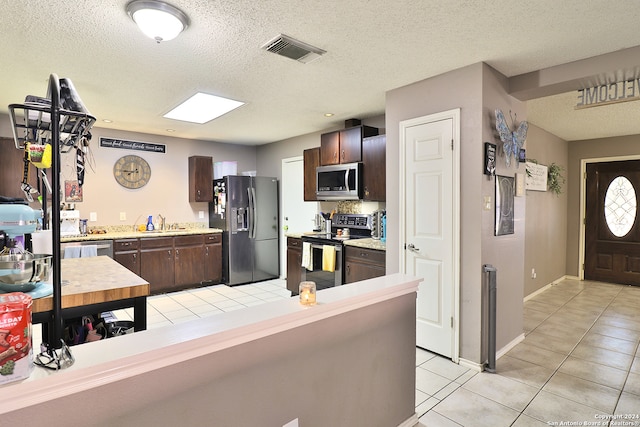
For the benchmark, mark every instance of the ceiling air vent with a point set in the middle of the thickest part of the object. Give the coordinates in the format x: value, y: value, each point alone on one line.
x: 294, y: 49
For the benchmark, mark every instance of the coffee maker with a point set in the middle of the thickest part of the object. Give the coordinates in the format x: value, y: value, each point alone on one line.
x: 69, y: 223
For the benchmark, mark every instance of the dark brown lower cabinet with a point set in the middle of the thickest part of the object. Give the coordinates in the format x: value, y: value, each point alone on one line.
x: 362, y: 263
x: 213, y: 258
x: 172, y: 263
x: 157, y: 263
x: 125, y: 251
x: 294, y: 264
x: 189, y: 259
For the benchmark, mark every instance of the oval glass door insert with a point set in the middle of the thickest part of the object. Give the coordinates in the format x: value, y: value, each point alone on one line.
x: 620, y: 206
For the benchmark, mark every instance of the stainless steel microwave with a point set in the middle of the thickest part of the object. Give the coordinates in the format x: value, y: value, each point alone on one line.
x: 339, y: 182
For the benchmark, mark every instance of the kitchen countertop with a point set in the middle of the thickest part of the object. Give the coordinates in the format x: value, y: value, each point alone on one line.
x: 140, y: 234
x: 368, y: 243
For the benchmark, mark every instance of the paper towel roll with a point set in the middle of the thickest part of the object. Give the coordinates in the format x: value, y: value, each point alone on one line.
x: 42, y: 242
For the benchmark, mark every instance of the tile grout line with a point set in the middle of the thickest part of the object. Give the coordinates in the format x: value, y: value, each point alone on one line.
x: 568, y: 355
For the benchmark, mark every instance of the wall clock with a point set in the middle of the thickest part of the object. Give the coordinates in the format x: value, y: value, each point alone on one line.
x: 132, y: 171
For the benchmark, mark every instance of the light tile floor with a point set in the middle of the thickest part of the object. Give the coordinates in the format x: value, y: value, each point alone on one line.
x: 176, y: 307
x: 579, y: 364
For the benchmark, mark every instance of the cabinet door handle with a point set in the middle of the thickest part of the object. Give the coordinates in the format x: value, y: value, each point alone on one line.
x: 169, y: 253
x: 342, y: 154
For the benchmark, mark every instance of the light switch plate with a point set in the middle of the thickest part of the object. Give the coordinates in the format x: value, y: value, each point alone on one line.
x: 123, y: 216
x: 201, y: 214
x: 486, y: 203
x: 93, y: 216
x: 519, y: 184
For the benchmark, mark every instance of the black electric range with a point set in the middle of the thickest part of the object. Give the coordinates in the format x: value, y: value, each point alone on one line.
x: 358, y: 226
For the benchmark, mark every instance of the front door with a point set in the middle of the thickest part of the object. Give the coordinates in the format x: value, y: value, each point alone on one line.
x: 612, y: 229
x: 430, y: 224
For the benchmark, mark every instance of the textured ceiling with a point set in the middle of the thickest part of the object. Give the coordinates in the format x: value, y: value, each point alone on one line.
x: 373, y: 46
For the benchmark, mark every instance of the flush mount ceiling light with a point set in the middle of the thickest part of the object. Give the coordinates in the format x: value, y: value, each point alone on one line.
x: 202, y: 107
x: 157, y: 19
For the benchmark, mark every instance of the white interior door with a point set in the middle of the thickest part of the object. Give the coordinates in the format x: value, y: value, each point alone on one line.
x: 297, y: 215
x: 430, y: 226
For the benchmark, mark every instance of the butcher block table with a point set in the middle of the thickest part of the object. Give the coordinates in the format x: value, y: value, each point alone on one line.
x: 94, y: 285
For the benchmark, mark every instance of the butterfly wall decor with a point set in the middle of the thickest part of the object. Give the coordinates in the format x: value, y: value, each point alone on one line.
x: 513, y: 141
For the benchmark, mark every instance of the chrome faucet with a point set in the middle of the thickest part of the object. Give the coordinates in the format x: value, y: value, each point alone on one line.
x: 161, y: 221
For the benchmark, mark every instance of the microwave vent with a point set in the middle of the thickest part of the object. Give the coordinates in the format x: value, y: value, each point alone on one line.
x: 294, y: 49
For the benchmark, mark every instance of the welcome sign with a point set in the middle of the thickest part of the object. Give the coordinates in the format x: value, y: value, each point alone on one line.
x: 624, y: 91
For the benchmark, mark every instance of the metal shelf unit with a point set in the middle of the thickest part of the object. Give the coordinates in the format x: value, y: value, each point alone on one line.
x: 45, y: 121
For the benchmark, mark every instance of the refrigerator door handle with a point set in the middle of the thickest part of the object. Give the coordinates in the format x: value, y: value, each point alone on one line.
x: 252, y: 212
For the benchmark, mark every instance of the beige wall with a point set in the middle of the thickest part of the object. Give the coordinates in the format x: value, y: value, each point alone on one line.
x: 506, y: 252
x: 477, y: 90
x: 589, y: 149
x: 546, y: 227
x: 167, y: 191
x: 323, y: 373
x: 462, y: 89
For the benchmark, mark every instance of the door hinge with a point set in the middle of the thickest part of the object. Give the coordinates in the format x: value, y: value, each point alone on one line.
x: 452, y: 322
x: 452, y: 144
x: 584, y: 221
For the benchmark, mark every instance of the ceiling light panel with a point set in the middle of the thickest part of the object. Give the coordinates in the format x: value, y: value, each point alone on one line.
x: 202, y: 108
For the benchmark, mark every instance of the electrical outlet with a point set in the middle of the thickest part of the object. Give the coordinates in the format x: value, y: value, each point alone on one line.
x: 93, y: 216
x: 201, y: 214
x: 533, y: 273
x: 123, y: 216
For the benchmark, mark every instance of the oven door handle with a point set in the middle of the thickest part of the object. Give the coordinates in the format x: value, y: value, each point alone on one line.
x: 315, y: 246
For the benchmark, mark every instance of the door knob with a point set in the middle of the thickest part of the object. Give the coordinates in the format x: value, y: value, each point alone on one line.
x: 411, y: 247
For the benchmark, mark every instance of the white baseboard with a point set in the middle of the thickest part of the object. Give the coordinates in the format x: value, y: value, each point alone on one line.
x: 509, y: 346
x: 478, y: 367
x: 411, y: 421
x: 544, y: 288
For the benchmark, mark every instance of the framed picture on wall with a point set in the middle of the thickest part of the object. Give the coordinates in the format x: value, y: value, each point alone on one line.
x: 489, y: 159
x: 505, y: 189
x: 72, y: 192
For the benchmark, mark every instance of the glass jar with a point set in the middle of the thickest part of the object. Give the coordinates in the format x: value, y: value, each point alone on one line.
x: 307, y: 292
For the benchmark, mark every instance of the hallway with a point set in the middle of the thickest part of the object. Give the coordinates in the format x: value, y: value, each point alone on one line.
x: 579, y: 363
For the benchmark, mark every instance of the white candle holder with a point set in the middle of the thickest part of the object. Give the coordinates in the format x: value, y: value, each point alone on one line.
x: 307, y: 292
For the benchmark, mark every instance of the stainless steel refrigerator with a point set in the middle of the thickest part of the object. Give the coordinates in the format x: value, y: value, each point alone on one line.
x: 246, y: 209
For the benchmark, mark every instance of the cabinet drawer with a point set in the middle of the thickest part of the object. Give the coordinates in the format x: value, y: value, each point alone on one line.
x: 212, y: 238
x: 192, y: 240
x: 293, y: 242
x: 365, y: 255
x: 156, y: 242
x: 125, y: 245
